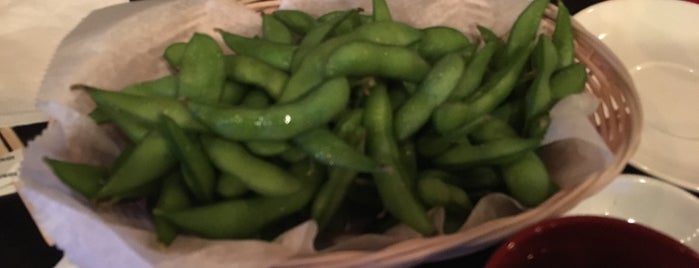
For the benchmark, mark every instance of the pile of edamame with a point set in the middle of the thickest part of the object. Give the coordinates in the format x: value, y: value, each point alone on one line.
x: 341, y: 117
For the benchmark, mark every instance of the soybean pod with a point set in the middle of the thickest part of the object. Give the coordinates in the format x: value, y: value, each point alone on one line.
x: 278, y: 122
x: 256, y: 173
x: 396, y: 195
x: 439, y: 82
x: 202, y: 71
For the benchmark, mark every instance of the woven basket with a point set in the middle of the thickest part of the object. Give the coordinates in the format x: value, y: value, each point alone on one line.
x: 618, y: 121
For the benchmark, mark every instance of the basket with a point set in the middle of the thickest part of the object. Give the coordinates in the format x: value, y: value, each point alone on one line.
x: 617, y: 120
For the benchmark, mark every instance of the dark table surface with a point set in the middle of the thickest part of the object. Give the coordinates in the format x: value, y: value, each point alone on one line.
x: 21, y: 244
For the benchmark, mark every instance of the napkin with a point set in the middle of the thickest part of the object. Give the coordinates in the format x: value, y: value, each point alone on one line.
x: 31, y: 30
x: 123, y: 44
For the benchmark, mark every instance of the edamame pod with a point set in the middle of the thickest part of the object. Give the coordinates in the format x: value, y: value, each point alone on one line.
x: 563, y: 37
x: 439, y: 82
x: 147, y: 109
x: 538, y: 98
x: 493, y: 152
x: 173, y: 196
x: 395, y: 192
x: 474, y: 72
x: 173, y: 54
x: 275, y: 31
x: 361, y: 58
x: 567, y: 81
x: 380, y: 10
x: 241, y: 218
x: 202, y: 73
x: 524, y: 29
x: 199, y: 174
x: 452, y: 115
x: 527, y: 179
x: 134, y: 129
x: 311, y: 72
x: 257, y: 174
x: 316, y: 35
x: 249, y: 70
x: 165, y: 86
x: 326, y: 147
x: 439, y: 41
x: 85, y: 179
x: 297, y: 21
x: 275, y: 54
x: 150, y: 159
x: 278, y: 122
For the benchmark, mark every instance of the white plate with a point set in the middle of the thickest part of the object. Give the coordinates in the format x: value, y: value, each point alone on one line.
x: 658, y: 42
x: 650, y: 202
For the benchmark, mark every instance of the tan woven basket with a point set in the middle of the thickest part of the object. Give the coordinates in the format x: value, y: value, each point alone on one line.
x: 618, y: 121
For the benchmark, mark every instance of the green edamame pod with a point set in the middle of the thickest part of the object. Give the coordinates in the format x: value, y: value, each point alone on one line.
x: 173, y: 54
x: 249, y: 70
x: 311, y: 71
x: 275, y: 31
x: 380, y: 10
x: 230, y: 186
x: 327, y: 148
x: 241, y: 218
x: 318, y: 34
x: 165, y: 86
x: 524, y: 29
x: 150, y: 159
x: 147, y: 109
x: 257, y: 174
x: 439, y: 41
x: 474, y: 72
x: 275, y: 54
x: 173, y: 196
x: 492, y: 129
x: 297, y: 21
x: 85, y: 179
x: 396, y: 194
x: 527, y: 179
x: 267, y: 148
x: 567, y: 81
x: 563, y: 37
x: 436, y: 192
x: 398, y: 97
x: 538, y: 99
x: 408, y: 153
x: 439, y: 82
x: 199, y: 174
x: 332, y: 193
x: 450, y: 116
x: 130, y: 126
x: 346, y: 25
x: 203, y: 71
x: 278, y: 122
x: 361, y: 58
x: 492, y: 152
x: 233, y: 93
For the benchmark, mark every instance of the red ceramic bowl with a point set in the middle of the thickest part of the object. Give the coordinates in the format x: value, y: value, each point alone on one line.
x: 591, y: 241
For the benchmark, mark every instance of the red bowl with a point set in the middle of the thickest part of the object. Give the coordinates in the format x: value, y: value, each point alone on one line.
x: 591, y: 241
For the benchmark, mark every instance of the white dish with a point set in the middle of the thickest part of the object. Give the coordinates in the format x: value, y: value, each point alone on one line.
x: 650, y: 202
x: 658, y: 43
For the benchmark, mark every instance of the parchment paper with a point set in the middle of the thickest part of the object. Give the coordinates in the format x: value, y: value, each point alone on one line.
x: 123, y: 44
